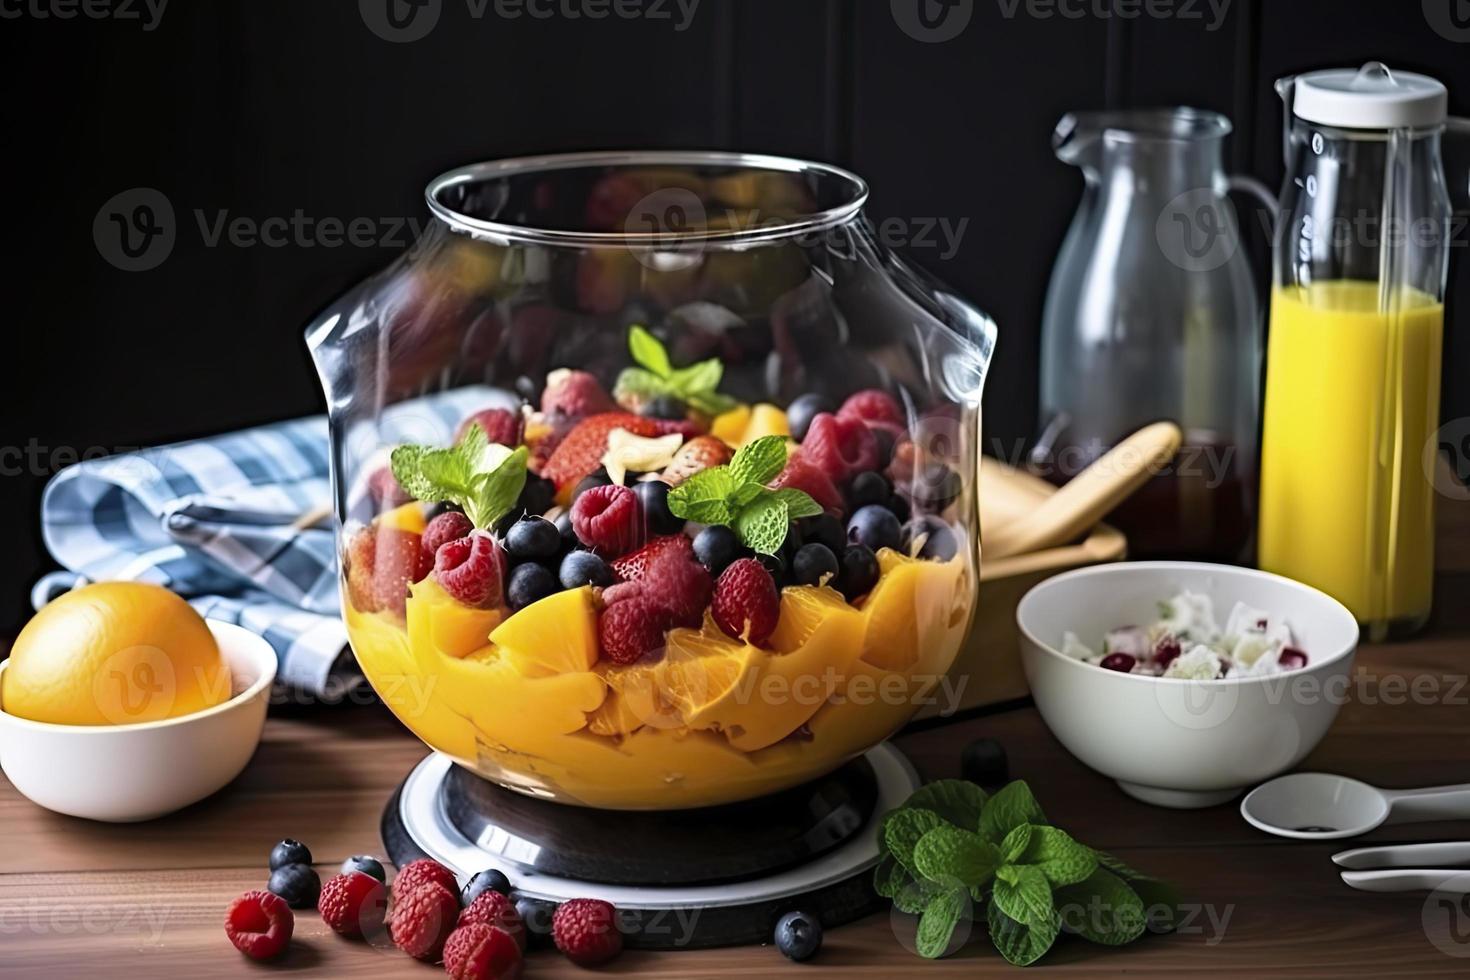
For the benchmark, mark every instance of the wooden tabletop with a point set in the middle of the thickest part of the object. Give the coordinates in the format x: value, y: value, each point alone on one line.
x: 80, y: 899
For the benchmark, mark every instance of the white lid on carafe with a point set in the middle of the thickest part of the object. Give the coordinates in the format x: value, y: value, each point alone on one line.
x: 1371, y: 97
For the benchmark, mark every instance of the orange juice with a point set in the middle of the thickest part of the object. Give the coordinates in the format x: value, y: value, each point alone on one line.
x: 1352, y: 397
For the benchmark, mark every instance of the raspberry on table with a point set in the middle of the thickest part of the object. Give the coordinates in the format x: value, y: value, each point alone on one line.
x: 423, y: 918
x: 448, y: 526
x: 873, y: 405
x: 353, y: 904
x: 746, y: 603
x: 631, y: 628
x: 586, y: 930
x: 609, y: 520
x: 501, y: 426
x: 416, y: 873
x: 493, y: 908
x: 259, y: 924
x: 840, y: 446
x: 469, y: 569
x: 476, y: 951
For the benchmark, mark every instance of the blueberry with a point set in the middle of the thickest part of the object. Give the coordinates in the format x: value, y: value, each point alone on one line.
x: 859, y: 571
x: 666, y: 407
x: 887, y: 442
x: 530, y: 583
x: 940, y: 542
x: 289, y: 851
x: 984, y: 762
x: 716, y: 547
x: 537, y: 496
x: 564, y: 527
x: 825, y: 529
x: 489, y: 880
x: 779, y: 568
x: 532, y: 539
x: 935, y: 487
x: 799, y: 413
x: 367, y: 864
x: 653, y: 495
x: 868, y: 488
x: 813, y: 562
x: 581, y: 568
x: 588, y: 482
x: 899, y: 504
x: 443, y: 507
x: 536, y: 914
x: 298, y: 884
x: 798, y: 936
x: 875, y: 527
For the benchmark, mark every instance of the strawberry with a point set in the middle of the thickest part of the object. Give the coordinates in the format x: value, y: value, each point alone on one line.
x: 631, y: 568
x: 746, y: 604
x: 501, y: 426
x: 575, y: 394
x: 381, y: 564
x: 384, y: 489
x: 840, y: 446
x: 802, y: 475
x: 873, y: 406
x: 699, y: 453
x: 582, y: 450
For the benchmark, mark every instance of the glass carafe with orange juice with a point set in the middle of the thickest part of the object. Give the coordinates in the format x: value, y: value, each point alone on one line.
x: 1355, y: 343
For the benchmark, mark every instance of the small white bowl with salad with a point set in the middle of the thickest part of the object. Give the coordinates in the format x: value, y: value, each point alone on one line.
x: 1185, y: 682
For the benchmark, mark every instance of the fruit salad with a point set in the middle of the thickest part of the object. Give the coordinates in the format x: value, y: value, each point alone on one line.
x: 654, y: 596
x: 1186, y: 642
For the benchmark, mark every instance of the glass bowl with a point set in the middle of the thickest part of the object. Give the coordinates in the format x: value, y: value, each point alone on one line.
x: 752, y: 428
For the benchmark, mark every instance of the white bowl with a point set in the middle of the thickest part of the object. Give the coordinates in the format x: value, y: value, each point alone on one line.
x: 124, y: 773
x: 1175, y: 742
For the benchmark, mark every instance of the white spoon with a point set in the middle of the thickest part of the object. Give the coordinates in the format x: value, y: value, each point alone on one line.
x: 1407, y: 867
x: 1323, y: 806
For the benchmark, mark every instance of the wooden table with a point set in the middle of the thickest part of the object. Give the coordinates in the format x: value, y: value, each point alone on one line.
x: 79, y: 899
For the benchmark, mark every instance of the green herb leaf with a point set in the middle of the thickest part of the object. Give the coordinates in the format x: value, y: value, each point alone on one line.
x: 640, y: 384
x: 956, y: 800
x: 903, y: 829
x: 656, y: 375
x: 1102, y: 909
x: 1161, y: 904
x: 705, y: 497
x: 483, y: 478
x: 798, y: 503
x: 495, y: 493
x: 1021, y: 943
x: 951, y: 856
x: 915, y: 895
x: 937, y: 924
x: 1008, y: 809
x: 760, y: 460
x: 764, y: 524
x: 1119, y: 868
x: 648, y: 352
x: 1015, y: 843
x: 702, y: 377
x: 405, y: 462
x: 1060, y: 858
x: 1023, y: 893
x: 889, y: 877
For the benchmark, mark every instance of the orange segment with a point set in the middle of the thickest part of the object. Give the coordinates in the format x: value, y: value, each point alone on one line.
x: 730, y: 426
x: 557, y: 635
x: 435, y: 618
x: 803, y: 609
x: 914, y: 605
x: 766, y: 420
x: 409, y: 517
x: 701, y: 673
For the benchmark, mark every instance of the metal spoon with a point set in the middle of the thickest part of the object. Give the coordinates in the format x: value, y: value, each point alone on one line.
x: 1323, y: 806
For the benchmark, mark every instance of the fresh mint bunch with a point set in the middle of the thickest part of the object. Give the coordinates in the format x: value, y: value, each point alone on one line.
x: 951, y: 849
x: 736, y: 495
x: 480, y: 476
x: 655, y: 376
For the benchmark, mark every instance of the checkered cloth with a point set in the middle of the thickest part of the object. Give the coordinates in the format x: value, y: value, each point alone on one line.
x: 219, y: 521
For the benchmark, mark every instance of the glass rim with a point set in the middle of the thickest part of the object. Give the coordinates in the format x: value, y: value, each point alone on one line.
x: 856, y: 198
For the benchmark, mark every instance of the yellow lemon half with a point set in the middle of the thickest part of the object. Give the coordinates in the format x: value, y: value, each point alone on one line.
x: 114, y: 653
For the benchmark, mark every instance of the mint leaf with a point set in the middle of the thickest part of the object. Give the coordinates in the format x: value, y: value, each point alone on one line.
x: 937, y: 924
x: 915, y: 895
x: 955, y: 800
x: 1102, y: 909
x: 656, y: 375
x: 889, y: 877
x: 1012, y: 806
x: 746, y: 494
x: 496, y: 492
x: 1015, y: 844
x: 640, y: 384
x: 951, y: 856
x: 1021, y: 943
x: 1119, y: 868
x: 759, y: 461
x: 473, y: 448
x: 404, y: 463
x: 763, y: 525
x: 902, y: 830
x: 705, y: 497
x: 1023, y: 893
x: 1060, y: 858
x: 648, y: 352
x: 798, y: 503
x: 704, y: 376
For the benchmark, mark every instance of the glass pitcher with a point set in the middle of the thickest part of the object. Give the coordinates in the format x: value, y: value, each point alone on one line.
x: 1356, y: 340
x: 1152, y: 314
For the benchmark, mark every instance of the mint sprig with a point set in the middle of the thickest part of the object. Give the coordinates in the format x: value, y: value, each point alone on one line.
x: 736, y: 495
x: 656, y: 376
x: 483, y: 478
x: 952, y: 853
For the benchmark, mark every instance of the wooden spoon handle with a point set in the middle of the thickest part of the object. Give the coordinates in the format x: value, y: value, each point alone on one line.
x: 1090, y: 495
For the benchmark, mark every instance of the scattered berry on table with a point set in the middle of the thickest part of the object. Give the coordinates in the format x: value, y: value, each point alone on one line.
x: 798, y: 936
x: 631, y: 628
x: 415, y: 873
x: 532, y: 539
x: 840, y: 447
x: 653, y: 496
x: 824, y: 529
x: 536, y: 916
x: 801, y: 411
x: 259, y: 924
x: 984, y: 763
x: 575, y: 394
x: 289, y: 851
x: 353, y: 904
x: 530, y: 582
x: 873, y: 405
x: 367, y: 864
x: 859, y: 572
x: 609, y: 520
x: 298, y: 884
x: 501, y: 426
x: 666, y: 407
x: 581, y: 568
x: 422, y: 919
x: 480, y: 952
x: 746, y: 603
x: 716, y: 547
x: 489, y: 880
x: 875, y: 527
x: 814, y: 564
x: 470, y: 569
x: 586, y: 930
x: 495, y: 908
x: 804, y: 475
x: 867, y: 488
x: 930, y: 537
x: 448, y: 526
x: 1122, y: 662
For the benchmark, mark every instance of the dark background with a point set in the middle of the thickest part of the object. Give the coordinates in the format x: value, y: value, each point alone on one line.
x: 259, y: 108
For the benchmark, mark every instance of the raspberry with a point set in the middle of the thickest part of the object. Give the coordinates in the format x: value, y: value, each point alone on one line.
x: 259, y: 924
x: 586, y: 930
x: 746, y: 603
x: 699, y: 453
x: 631, y: 568
x: 422, y: 920
x: 492, y: 908
x: 353, y: 904
x: 581, y: 451
x: 608, y: 519
x: 666, y: 572
x: 575, y: 394
x: 381, y: 564
x: 448, y: 526
x: 422, y: 871
x: 476, y: 951
x: 501, y: 426
x: 384, y: 489
x: 631, y: 628
x: 469, y: 569
x: 840, y: 446
x: 801, y: 474
x: 872, y: 405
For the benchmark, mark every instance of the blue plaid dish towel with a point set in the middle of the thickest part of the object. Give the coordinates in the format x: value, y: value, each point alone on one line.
x: 227, y: 522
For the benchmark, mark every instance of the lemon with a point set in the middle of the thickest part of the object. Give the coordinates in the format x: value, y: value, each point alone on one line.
x: 114, y: 653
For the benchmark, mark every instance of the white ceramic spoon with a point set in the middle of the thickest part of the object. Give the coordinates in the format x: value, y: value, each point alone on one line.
x: 1323, y: 806
x: 1407, y: 867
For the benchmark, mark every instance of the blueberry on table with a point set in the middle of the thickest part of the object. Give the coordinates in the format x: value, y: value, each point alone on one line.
x: 812, y: 563
x: 716, y: 547
x: 653, y: 496
x: 859, y: 572
x: 532, y: 539
x: 798, y: 936
x: 984, y: 763
x: 289, y: 851
x: 875, y: 527
x: 367, y: 864
x: 868, y: 488
x: 824, y: 529
x: 489, y: 880
x: 537, y: 916
x: 581, y: 568
x: 530, y: 582
x: 298, y: 884
x: 799, y: 413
